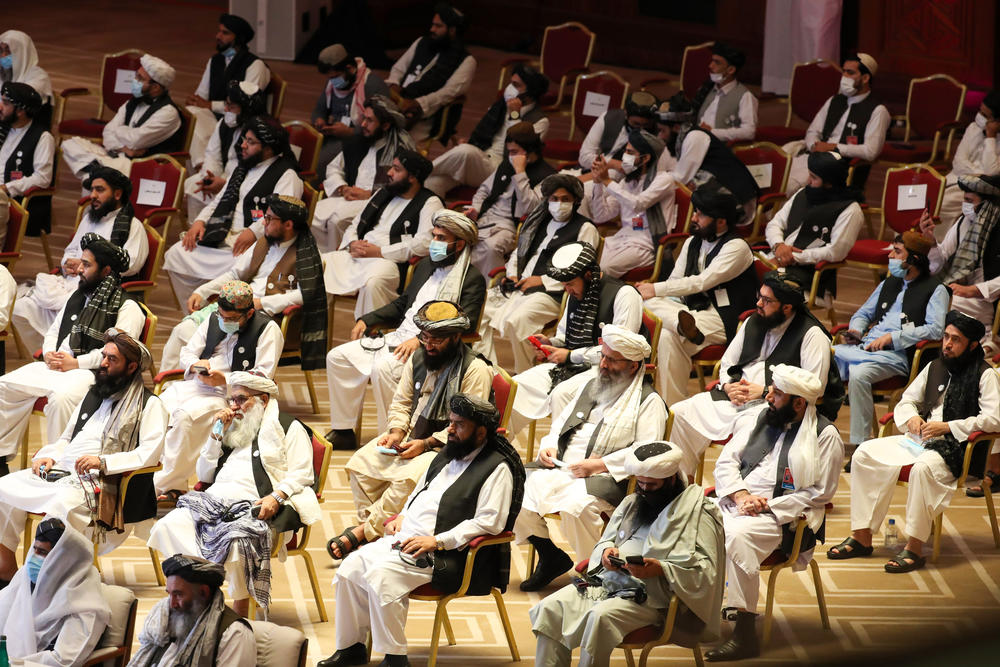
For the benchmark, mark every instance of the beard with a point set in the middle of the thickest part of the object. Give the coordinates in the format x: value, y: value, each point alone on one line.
x: 970, y: 356
x: 89, y: 285
x: 251, y: 161
x: 611, y: 385
x: 181, y: 622
x: 772, y: 320
x: 98, y: 212
x: 241, y: 432
x: 376, y: 134
x: 397, y: 187
x: 109, y: 385
x: 273, y: 240
x: 438, y: 44
x: 443, y: 357
x: 447, y: 261
x: 780, y: 417
x: 458, y: 449
x: 9, y: 118
x: 651, y: 503
x: 709, y: 233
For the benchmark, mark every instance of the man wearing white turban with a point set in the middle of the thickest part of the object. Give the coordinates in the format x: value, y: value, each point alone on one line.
x: 582, y: 475
x: 148, y: 123
x: 782, y: 462
x: 19, y: 63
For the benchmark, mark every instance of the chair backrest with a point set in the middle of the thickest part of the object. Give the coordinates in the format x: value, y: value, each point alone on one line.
x: 275, y: 94
x: 307, y: 138
x: 907, y: 192
x: 694, y: 67
x: 279, y: 645
x: 187, y: 125
x: 593, y: 94
x: 812, y: 84
x: 654, y: 326
x: 16, y: 225
x: 761, y: 269
x: 155, y: 258
x: 682, y: 197
x: 932, y: 101
x: 566, y: 47
x: 121, y: 625
x: 768, y: 164
x: 504, y: 390
x: 117, y: 72
x: 157, y: 182
x: 310, y: 197
x: 148, y: 327
x: 322, y: 450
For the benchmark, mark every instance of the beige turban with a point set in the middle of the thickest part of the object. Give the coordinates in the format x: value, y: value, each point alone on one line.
x: 255, y: 381
x: 457, y: 224
x: 630, y: 345
x: 158, y: 70
x: 868, y: 62
x: 797, y: 382
x: 658, y: 459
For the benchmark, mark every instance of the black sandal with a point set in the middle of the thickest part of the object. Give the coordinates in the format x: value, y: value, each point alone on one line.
x: 977, y: 492
x: 898, y: 565
x: 353, y: 543
x: 857, y: 550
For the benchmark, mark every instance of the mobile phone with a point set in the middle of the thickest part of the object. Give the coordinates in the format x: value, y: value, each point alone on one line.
x: 255, y: 511
x: 538, y: 345
x: 616, y: 561
x: 634, y: 560
x: 203, y: 371
x: 386, y: 450
x: 850, y: 338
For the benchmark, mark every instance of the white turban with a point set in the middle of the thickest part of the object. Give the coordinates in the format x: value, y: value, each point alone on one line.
x: 458, y: 224
x: 630, y: 345
x: 158, y: 70
x: 868, y: 62
x: 797, y: 382
x: 657, y: 459
x: 254, y: 381
x: 249, y: 89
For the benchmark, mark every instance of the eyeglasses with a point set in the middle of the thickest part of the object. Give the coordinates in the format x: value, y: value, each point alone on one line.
x: 766, y: 299
x: 268, y: 218
x: 432, y: 340
x: 239, y: 400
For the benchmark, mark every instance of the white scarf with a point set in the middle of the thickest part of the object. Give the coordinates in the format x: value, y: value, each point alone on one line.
x: 621, y: 419
x: 273, y: 456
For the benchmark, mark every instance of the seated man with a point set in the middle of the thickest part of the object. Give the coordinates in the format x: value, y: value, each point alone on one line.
x: 471, y: 162
x: 976, y: 154
x: 508, y: 194
x: 783, y: 462
x: 852, y: 122
x: 237, y: 337
x: 780, y: 331
x: 341, y: 106
x: 820, y: 223
x: 643, y: 200
x: 608, y: 136
x: 117, y: 428
x: 235, y: 219
x: 244, y: 100
x: 263, y: 458
x: 394, y: 226
x: 907, y: 307
x: 72, y: 347
x: 711, y: 284
x: 526, y: 299
x: 593, y: 300
x: 385, y: 471
x: 54, y: 615
x: 676, y: 535
x: 444, y: 276
x: 19, y: 64
x: 8, y: 292
x: 110, y: 216
x: 148, y: 123
x: 433, y: 72
x: 726, y: 107
x: 361, y: 168
x: 26, y: 154
x: 193, y: 625
x: 473, y: 487
x: 953, y: 396
x: 283, y: 269
x: 589, y: 443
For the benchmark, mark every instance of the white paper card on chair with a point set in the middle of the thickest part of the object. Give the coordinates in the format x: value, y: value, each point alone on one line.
x: 594, y: 104
x: 761, y: 173
x: 912, y: 197
x: 151, y: 192
x: 123, y: 81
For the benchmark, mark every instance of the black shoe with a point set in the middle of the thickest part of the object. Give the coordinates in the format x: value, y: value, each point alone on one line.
x: 4, y: 468
x: 394, y: 661
x: 687, y: 327
x: 355, y: 654
x: 743, y: 644
x: 552, y: 563
x: 342, y: 439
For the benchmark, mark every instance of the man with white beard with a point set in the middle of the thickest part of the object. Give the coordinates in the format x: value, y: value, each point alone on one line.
x: 259, y: 463
x: 193, y: 625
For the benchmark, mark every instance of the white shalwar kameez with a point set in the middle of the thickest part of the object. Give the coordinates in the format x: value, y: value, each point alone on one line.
x: 498, y: 225
x: 63, y: 390
x: 373, y: 582
x: 211, y: 162
x: 334, y: 214
x: 376, y: 279
x: 23, y: 491
x: 747, y: 112
x: 41, y: 162
x: 520, y: 315
x: 118, y: 135
x: 673, y: 360
x: 190, y: 268
x: 38, y: 304
x: 845, y: 232
x: 700, y: 419
x: 192, y: 404
x: 976, y: 154
x: 876, y: 464
x: 751, y: 539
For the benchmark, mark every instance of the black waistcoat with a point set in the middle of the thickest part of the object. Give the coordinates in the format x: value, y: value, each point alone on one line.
x: 220, y: 74
x: 915, y: 298
x: 858, y: 114
x: 721, y: 162
x: 22, y: 159
x: 614, y: 121
x: 813, y: 222
x: 175, y: 141
x: 536, y: 172
x: 245, y: 351
x: 605, y: 305
x: 742, y: 290
x: 354, y: 151
x: 256, y: 198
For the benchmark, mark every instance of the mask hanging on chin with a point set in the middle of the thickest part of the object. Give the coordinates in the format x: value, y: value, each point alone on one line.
x: 716, y: 77
x: 848, y: 86
x: 510, y: 92
x: 896, y: 268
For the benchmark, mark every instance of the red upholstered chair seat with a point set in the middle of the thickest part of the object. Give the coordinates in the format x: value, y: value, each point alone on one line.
x: 904, y: 473
x: 776, y: 558
x: 646, y: 633
x: 894, y: 151
x: 779, y: 134
x: 83, y: 127
x: 427, y: 589
x: 40, y: 404
x: 710, y: 353
x: 562, y: 149
x: 870, y: 251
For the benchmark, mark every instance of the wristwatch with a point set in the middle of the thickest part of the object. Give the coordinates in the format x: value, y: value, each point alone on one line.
x: 277, y: 497
x: 438, y: 545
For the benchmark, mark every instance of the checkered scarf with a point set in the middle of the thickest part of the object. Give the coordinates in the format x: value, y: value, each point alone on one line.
x: 970, y: 250
x: 309, y: 267
x: 99, y: 313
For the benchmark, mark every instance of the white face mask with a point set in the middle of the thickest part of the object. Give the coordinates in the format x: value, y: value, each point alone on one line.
x: 716, y: 77
x: 628, y: 163
x: 969, y: 211
x: 848, y: 86
x: 510, y: 92
x: 560, y: 210
x: 229, y: 118
x: 981, y: 121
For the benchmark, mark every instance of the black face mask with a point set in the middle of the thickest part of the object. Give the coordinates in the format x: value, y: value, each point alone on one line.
x: 816, y: 196
x: 651, y: 503
x: 779, y: 417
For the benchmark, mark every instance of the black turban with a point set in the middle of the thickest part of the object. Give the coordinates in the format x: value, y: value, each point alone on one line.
x: 676, y: 110
x: 715, y: 201
x: 572, y: 260
x: 270, y: 133
x: 114, y: 178
x: 733, y: 56
x: 22, y: 96
x: 785, y: 289
x: 450, y: 16
x: 970, y: 327
x: 105, y: 252
x: 475, y: 409
x: 289, y: 208
x: 239, y: 26
x: 250, y: 105
x: 646, y: 143
x: 569, y: 182
x: 536, y: 84
x: 50, y: 531
x: 830, y: 166
x: 194, y: 570
x: 992, y: 102
x: 641, y: 103
x: 415, y: 164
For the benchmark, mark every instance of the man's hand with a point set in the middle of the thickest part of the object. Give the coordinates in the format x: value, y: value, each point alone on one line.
x: 992, y: 127
x: 85, y: 464
x: 471, y: 213
x: 213, y: 379
x: 650, y: 569
x: 646, y: 290
x: 823, y: 147
x: 748, y: 504
x: 783, y: 253
x: 519, y: 162
x: 210, y: 183
x: 53, y: 360
x: 71, y: 267
x: 243, y: 241
x: 69, y: 362
x: 599, y: 169
x: 524, y: 284
x: 556, y: 355
x: 36, y: 465
x: 392, y: 527
x: 359, y: 330
x: 133, y: 152
x: 194, y: 303
x: 934, y: 430
x: 411, y: 449
x: 514, y: 104
x: 966, y: 291
x: 418, y: 546
x: 926, y: 226
x: 351, y: 193
x: 914, y: 424
x: 391, y: 440
x: 608, y: 565
x: 197, y: 101
x: 742, y: 391
x: 405, y: 349
x: 547, y: 455
x: 588, y: 467
x: 193, y: 235
x: 268, y: 507
x: 883, y: 342
x: 361, y: 248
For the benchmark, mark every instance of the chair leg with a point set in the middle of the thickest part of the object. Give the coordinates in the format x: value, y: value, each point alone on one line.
x: 22, y: 351
x: 314, y: 582
x: 531, y: 559
x: 507, y: 629
x: 312, y: 391
x: 448, y: 632
x: 769, y: 607
x: 629, y: 659
x: 700, y: 472
x: 252, y: 609
x: 820, y: 595
x: 530, y: 454
x: 698, y: 660
x: 936, y: 529
x: 435, y: 634
x: 48, y: 252
x: 988, y: 497
x: 24, y: 446
x: 157, y: 570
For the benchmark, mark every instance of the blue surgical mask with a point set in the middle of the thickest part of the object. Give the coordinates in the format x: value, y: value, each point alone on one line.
x: 438, y: 250
x: 339, y: 82
x: 230, y: 52
x: 34, y: 565
x: 7, y: 62
x: 896, y: 267
x: 136, y: 88
x: 228, y: 327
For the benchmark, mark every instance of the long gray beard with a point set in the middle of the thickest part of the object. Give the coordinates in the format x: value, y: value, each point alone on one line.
x: 242, y: 431
x: 608, y: 390
x: 182, y: 622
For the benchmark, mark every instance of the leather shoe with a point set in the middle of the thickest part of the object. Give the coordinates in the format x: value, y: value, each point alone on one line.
x: 391, y: 660
x: 547, y: 570
x: 355, y: 654
x: 687, y: 327
x: 734, y: 649
x: 342, y: 439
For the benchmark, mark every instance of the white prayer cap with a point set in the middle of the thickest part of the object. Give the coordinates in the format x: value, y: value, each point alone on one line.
x: 868, y: 62
x: 797, y: 382
x: 630, y: 345
x: 658, y: 459
x: 158, y: 70
x: 255, y: 381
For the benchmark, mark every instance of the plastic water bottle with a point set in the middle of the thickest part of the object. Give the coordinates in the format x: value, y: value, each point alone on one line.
x: 4, y: 660
x: 891, y: 534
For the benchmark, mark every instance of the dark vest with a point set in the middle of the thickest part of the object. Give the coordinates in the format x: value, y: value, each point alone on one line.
x: 536, y: 172
x: 354, y: 151
x: 220, y: 74
x: 74, y: 306
x: 742, y: 289
x: 140, y: 498
x: 991, y: 255
x: 406, y: 222
x: 22, y: 159
x: 605, y: 305
x: 951, y: 450
x: 858, y: 115
x: 813, y: 222
x: 226, y: 135
x: 614, y: 121
x: 915, y: 298
x: 245, y: 351
x: 424, y: 427
x: 226, y: 618
x: 256, y: 198
x: 568, y: 233
x: 938, y: 378
x: 720, y: 161
x: 492, y: 123
x: 171, y: 144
